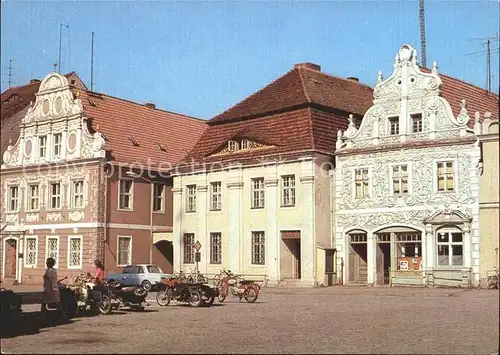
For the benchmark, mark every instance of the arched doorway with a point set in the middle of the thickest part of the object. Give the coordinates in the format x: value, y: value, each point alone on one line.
x: 164, y: 251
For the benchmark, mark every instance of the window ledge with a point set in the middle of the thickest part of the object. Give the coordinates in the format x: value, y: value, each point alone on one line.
x: 191, y: 211
x: 258, y: 265
x: 125, y: 209
x: 76, y: 209
x: 12, y: 212
x: 78, y: 267
x: 159, y: 212
x: 287, y: 206
x: 32, y: 211
x: 53, y: 209
x: 257, y: 208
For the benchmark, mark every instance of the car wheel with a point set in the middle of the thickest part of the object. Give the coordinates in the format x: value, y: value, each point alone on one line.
x: 146, y: 285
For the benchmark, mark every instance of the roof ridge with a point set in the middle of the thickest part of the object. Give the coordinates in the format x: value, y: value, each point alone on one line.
x: 141, y: 105
x: 338, y: 77
x: 255, y: 93
x: 306, y: 94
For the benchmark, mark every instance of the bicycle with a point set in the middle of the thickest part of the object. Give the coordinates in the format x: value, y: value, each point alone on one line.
x: 493, y: 279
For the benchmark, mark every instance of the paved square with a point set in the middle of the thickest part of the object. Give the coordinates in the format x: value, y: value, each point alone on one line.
x: 323, y: 320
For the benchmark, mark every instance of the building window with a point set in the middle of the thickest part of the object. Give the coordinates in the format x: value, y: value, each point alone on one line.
x: 288, y: 190
x: 361, y: 181
x: 450, y: 248
x: 215, y: 248
x: 400, y: 179
x: 13, y: 198
x: 75, y: 252
x: 445, y: 176
x: 158, y: 197
x: 77, y: 200
x: 258, y: 193
x: 52, y: 248
x: 416, y: 121
x: 258, y: 248
x: 191, y: 198
x: 408, y: 251
x: 244, y: 144
x: 57, y: 144
x: 125, y: 194
x: 189, y: 248
x: 394, y: 125
x: 31, y: 251
x: 124, y: 251
x: 55, y: 195
x: 33, y: 197
x: 215, y: 196
x: 42, y: 146
x: 232, y: 146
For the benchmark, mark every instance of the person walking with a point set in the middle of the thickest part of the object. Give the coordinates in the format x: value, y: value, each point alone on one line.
x: 51, y: 294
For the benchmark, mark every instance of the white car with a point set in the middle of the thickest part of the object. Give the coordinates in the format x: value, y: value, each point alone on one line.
x: 145, y: 275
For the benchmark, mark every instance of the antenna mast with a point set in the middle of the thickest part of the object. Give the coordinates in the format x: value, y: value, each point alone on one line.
x: 92, y: 64
x: 421, y: 12
x: 487, y: 42
x: 60, y: 39
x: 10, y: 72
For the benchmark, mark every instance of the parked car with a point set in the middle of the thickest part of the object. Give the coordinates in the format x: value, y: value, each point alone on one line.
x: 145, y: 275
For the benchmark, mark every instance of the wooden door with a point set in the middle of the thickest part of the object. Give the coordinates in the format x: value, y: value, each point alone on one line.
x: 10, y: 258
x: 380, y: 265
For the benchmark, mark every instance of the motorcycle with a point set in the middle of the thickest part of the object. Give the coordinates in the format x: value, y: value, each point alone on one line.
x: 133, y: 297
x: 175, y: 289
x: 237, y: 287
x: 87, y: 294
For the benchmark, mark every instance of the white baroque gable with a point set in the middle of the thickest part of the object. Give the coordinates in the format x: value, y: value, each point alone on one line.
x: 55, y: 112
x: 408, y: 91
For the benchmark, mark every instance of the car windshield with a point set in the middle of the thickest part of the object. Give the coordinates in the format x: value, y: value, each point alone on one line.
x: 153, y: 269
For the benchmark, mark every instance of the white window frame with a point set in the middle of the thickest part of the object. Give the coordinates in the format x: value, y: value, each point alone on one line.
x: 129, y: 261
x: 70, y: 238
x: 260, y: 191
x: 186, y: 251
x: 449, y: 243
x: 411, y: 114
x: 10, y: 198
x: 26, y: 252
x: 212, y: 249
x: 191, y: 198
x: 31, y: 197
x: 50, y: 196
x: 73, y: 194
x: 42, y: 147
x: 216, y: 196
x: 391, y: 178
x: 369, y: 188
x: 244, y: 143
x: 232, y: 146
x: 57, y: 147
x: 131, y: 194
x: 160, y: 197
x: 455, y: 175
x: 291, y: 189
x: 389, y: 126
x: 47, y: 237
x: 260, y: 234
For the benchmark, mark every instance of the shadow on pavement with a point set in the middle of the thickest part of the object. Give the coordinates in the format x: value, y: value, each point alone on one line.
x: 30, y: 323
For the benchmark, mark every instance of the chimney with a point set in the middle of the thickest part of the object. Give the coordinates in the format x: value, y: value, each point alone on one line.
x: 150, y: 105
x: 353, y: 78
x: 32, y: 81
x: 308, y: 65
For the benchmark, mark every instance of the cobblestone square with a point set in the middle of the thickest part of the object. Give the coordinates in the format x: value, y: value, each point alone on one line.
x: 322, y: 320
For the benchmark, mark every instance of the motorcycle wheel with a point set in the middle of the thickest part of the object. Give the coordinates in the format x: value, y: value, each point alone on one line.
x: 210, y: 301
x: 216, y: 280
x: 250, y: 295
x: 105, y: 306
x: 195, y: 299
x: 221, y: 297
x: 162, y: 297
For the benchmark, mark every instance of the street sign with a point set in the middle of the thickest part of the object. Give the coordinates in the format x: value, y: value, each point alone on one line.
x: 197, y: 256
x: 197, y: 246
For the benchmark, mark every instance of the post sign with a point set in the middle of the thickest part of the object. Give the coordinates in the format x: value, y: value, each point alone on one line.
x: 197, y: 256
x: 197, y: 245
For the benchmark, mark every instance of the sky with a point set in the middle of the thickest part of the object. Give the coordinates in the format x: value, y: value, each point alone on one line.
x: 201, y: 57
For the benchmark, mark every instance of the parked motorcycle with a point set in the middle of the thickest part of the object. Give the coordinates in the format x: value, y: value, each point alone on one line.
x: 133, y: 297
x: 88, y: 295
x: 175, y: 289
x: 237, y: 287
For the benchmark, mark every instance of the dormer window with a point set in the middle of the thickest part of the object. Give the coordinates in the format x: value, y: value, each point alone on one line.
x: 244, y: 144
x: 232, y: 146
x: 416, y: 121
x: 394, y: 125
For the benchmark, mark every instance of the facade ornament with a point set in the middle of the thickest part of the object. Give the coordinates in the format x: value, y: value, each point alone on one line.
x: 338, y: 144
x: 463, y: 117
x: 380, y: 77
x: 351, y: 129
x: 434, y: 68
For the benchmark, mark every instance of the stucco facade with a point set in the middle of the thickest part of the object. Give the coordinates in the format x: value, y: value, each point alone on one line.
x: 407, y: 186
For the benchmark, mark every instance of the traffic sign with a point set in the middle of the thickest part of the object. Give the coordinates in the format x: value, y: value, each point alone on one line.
x: 197, y: 246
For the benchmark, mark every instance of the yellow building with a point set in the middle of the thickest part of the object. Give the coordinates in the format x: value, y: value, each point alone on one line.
x: 489, y: 196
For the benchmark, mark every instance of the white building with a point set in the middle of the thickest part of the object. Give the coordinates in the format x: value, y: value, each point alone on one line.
x: 256, y: 195
x: 407, y: 184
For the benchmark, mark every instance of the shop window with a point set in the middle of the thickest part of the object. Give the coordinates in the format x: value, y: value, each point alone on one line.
x: 408, y: 251
x: 450, y: 248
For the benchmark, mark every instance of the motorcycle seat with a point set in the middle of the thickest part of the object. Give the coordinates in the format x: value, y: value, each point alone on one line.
x: 246, y: 282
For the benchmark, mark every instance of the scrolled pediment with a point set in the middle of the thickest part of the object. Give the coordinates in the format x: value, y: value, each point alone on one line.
x: 448, y: 216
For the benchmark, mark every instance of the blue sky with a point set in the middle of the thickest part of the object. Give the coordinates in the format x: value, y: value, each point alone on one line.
x: 201, y: 57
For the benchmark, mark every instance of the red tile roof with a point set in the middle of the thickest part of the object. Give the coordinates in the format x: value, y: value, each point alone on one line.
x: 121, y: 120
x: 14, y: 105
x: 478, y: 99
x: 300, y: 111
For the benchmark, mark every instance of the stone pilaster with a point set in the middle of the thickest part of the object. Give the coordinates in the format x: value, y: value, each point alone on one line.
x: 371, y: 262
x: 272, y: 233
x: 201, y: 226
x: 177, y: 225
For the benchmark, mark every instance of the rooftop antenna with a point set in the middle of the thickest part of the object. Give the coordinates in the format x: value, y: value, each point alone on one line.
x: 421, y: 12
x: 60, y: 38
x: 487, y: 41
x: 10, y: 72
x: 55, y: 67
x: 92, y: 64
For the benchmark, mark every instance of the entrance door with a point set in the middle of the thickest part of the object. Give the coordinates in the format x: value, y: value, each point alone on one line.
x: 10, y: 258
x: 358, y: 257
x: 383, y: 258
x: 290, y: 267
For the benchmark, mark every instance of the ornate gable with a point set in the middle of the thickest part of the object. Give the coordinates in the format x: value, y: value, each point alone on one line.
x: 407, y: 107
x: 54, y: 129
